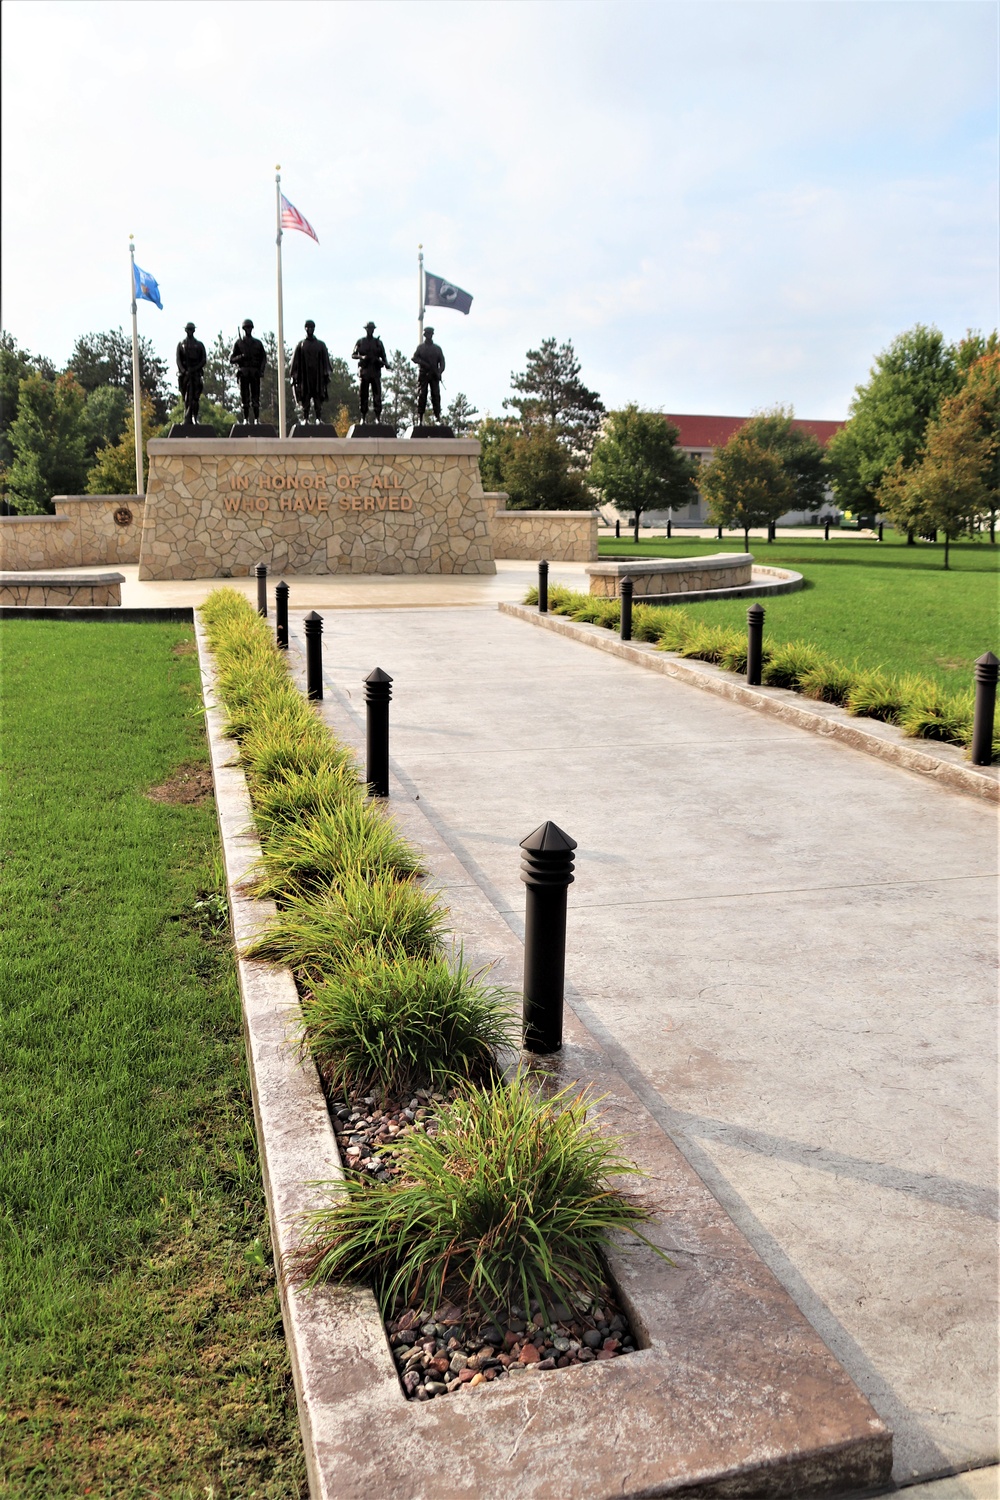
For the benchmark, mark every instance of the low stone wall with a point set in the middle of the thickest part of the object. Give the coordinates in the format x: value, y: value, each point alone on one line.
x: 109, y: 527
x: 87, y: 531
x: 663, y: 575
x: 559, y: 535
x: 101, y: 589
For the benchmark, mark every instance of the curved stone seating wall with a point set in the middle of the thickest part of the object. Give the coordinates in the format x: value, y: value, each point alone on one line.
x: 95, y: 589
x: 83, y: 533
x: 664, y: 575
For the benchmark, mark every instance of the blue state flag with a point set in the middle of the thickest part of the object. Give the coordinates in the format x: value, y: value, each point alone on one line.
x: 145, y: 287
x: 441, y: 293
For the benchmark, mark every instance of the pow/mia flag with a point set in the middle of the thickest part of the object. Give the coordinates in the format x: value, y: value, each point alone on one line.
x: 441, y: 293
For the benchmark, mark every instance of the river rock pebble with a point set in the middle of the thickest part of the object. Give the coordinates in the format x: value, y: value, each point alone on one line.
x: 439, y: 1351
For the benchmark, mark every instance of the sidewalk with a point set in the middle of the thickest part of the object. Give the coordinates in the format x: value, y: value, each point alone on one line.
x: 786, y: 947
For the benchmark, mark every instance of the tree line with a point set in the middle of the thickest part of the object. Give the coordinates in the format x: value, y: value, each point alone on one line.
x: 921, y: 445
x: 71, y: 431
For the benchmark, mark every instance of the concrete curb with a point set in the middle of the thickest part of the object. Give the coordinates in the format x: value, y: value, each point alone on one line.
x: 944, y: 764
x: 733, y: 1394
x: 130, y: 614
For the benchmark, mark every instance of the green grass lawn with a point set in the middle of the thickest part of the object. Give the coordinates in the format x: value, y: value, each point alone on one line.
x: 140, y: 1328
x: 877, y: 604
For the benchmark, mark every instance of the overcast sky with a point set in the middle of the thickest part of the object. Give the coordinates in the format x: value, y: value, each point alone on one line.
x: 723, y: 205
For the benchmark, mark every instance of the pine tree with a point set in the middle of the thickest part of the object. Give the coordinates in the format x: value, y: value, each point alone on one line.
x: 551, y: 394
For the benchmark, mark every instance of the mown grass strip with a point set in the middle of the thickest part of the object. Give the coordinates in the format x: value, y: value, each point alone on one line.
x: 882, y: 605
x: 139, y: 1321
x: 918, y: 705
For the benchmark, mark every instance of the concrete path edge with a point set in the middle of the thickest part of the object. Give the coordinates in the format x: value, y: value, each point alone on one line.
x: 801, y: 1426
x: 944, y: 764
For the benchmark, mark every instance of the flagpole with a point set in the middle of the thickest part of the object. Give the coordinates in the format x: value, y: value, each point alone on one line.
x: 420, y: 279
x: 281, y: 315
x: 136, y: 386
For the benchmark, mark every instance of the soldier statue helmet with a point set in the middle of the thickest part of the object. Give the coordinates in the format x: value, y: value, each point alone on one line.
x: 370, y: 355
x: 429, y: 360
x: 250, y: 359
x: 192, y: 358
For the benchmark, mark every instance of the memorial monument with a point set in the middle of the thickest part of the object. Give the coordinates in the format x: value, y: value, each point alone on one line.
x: 371, y: 357
x: 429, y: 360
x: 191, y: 359
x: 250, y: 359
x: 311, y: 371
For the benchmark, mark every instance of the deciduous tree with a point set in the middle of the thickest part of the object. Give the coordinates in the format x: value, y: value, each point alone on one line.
x: 745, y: 485
x: 800, y: 451
x: 16, y: 364
x: 890, y: 413
x: 638, y: 466
x: 49, y: 443
x: 113, y: 470
x: 953, y: 486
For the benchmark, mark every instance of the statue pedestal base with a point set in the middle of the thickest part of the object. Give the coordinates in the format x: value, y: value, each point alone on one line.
x: 421, y: 431
x: 191, y: 430
x: 313, y: 430
x: 253, y: 429
x: 371, y: 430
x: 317, y: 505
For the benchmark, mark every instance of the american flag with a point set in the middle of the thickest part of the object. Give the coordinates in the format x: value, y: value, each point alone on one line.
x: 292, y: 219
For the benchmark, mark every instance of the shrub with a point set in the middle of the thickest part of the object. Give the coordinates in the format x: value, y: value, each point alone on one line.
x: 322, y: 935
x: 290, y: 796
x: 829, y: 682
x: 346, y: 836
x: 935, y: 715
x: 788, y: 664
x: 392, y: 1023
x: 709, y: 642
x: 873, y: 695
x: 512, y: 1199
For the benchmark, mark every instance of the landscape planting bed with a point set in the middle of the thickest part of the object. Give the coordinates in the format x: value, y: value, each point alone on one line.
x: 732, y: 1394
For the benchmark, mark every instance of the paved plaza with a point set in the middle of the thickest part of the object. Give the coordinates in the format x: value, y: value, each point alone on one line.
x: 787, y: 947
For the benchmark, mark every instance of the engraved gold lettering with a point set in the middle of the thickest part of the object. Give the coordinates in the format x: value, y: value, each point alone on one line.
x: 284, y: 502
x: 232, y: 502
x: 369, y: 502
x: 355, y: 502
x: 343, y: 481
x: 393, y: 502
x: 262, y: 502
x: 323, y: 502
x: 405, y: 503
x: 298, y: 503
x: 345, y: 502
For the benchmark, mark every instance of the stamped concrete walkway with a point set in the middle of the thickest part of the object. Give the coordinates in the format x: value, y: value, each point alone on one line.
x: 789, y: 950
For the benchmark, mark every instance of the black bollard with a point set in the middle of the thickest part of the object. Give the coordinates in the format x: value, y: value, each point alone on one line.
x: 826, y: 532
x: 986, y: 699
x: 618, y: 529
x: 547, y: 872
x: 718, y: 534
x: 771, y: 529
x: 314, y: 655
x: 880, y: 525
x: 281, y: 616
x: 378, y: 691
x: 261, y: 571
x: 668, y: 528
x: 755, y: 643
x: 626, y: 608
x: 543, y: 588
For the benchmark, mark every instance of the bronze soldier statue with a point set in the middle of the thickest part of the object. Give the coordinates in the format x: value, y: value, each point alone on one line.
x: 191, y: 362
x: 251, y: 361
x: 370, y: 355
x: 311, y: 371
x: 430, y: 362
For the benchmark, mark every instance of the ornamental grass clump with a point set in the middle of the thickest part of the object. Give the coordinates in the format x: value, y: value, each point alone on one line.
x: 873, y: 695
x: 322, y: 935
x: 788, y: 664
x: 340, y: 836
x: 828, y: 682
x: 935, y: 715
x: 388, y: 1023
x: 513, y: 1199
x: 291, y: 796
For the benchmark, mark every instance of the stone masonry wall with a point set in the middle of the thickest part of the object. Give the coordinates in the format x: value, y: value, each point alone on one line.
x: 105, y: 534
x: 559, y: 535
x: 678, y: 581
x: 28, y: 542
x: 82, y: 533
x: 61, y: 593
x: 361, y: 506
